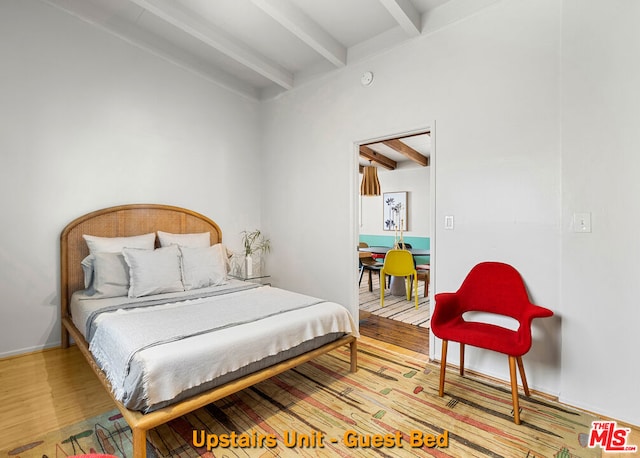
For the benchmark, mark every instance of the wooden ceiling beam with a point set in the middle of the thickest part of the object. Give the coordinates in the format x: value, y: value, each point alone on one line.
x: 428, y: 132
x: 407, y: 151
x: 378, y: 158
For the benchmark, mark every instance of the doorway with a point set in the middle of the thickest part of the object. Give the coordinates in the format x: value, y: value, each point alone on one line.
x: 404, y: 167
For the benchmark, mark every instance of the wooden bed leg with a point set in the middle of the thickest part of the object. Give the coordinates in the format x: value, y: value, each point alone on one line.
x: 354, y: 355
x: 139, y: 443
x: 65, y: 336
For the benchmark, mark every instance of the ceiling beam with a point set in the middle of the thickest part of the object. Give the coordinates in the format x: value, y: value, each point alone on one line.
x: 373, y: 156
x: 306, y: 29
x: 426, y: 132
x: 405, y: 14
x: 407, y: 151
x: 178, y: 17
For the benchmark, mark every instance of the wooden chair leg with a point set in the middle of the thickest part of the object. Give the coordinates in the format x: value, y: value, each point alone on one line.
x: 361, y: 273
x: 370, y: 281
x: 443, y: 367
x: 461, y: 360
x: 514, y: 389
x: 415, y: 289
x: 523, y: 377
x: 383, y: 278
x: 427, y: 280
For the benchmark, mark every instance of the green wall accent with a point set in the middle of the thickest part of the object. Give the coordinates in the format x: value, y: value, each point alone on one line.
x: 387, y: 240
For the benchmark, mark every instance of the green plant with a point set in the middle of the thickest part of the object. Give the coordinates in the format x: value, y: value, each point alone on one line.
x: 254, y: 242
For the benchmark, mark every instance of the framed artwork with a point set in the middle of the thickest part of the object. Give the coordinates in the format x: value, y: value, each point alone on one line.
x: 394, y: 211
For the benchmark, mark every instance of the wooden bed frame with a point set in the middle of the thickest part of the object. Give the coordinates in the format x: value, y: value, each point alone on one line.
x: 136, y: 219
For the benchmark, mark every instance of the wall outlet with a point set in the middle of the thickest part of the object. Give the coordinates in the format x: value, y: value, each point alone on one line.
x: 582, y: 222
x: 448, y: 222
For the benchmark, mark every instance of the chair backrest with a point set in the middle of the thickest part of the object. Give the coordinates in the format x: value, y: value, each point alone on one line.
x: 494, y: 287
x: 398, y: 263
x: 365, y: 258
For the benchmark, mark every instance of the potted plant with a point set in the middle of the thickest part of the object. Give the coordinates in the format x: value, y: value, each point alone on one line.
x: 254, y: 244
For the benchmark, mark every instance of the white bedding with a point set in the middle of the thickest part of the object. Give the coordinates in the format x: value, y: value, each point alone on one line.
x: 83, y: 305
x: 201, y: 349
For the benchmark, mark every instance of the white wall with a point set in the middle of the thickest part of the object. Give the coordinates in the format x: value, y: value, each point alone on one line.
x: 536, y: 106
x: 536, y: 109
x: 416, y: 182
x: 600, y: 170
x: 88, y: 121
x: 491, y: 83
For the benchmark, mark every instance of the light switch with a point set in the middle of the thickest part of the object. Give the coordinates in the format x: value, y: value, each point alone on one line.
x: 448, y: 222
x: 582, y: 222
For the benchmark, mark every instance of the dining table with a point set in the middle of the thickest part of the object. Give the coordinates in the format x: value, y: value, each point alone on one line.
x: 397, y: 287
x: 383, y: 250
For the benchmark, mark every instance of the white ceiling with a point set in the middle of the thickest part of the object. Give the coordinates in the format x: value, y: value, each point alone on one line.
x: 261, y: 48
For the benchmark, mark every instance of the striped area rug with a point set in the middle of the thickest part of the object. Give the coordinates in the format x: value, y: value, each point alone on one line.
x: 389, y: 408
x: 395, y: 307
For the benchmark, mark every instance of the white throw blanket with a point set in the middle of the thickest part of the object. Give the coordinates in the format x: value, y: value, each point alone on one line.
x: 123, y: 335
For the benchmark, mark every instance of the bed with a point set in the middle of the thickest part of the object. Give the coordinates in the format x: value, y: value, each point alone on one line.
x: 141, y: 361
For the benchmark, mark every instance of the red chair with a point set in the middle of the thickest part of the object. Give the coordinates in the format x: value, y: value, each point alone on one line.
x: 491, y: 287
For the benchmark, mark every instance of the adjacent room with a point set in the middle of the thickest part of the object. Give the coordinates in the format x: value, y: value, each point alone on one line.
x: 262, y: 118
x: 395, y: 210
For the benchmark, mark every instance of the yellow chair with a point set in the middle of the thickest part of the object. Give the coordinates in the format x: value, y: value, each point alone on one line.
x: 399, y: 263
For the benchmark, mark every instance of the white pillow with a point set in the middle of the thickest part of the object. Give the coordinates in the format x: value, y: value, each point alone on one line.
x: 202, y: 267
x: 116, y: 244
x: 87, y: 269
x: 153, y: 271
x: 111, y: 275
x: 197, y: 240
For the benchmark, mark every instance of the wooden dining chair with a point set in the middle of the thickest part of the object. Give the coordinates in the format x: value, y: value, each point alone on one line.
x: 424, y: 274
x: 367, y: 263
x: 423, y: 270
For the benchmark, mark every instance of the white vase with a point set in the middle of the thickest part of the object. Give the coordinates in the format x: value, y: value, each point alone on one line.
x: 248, y: 266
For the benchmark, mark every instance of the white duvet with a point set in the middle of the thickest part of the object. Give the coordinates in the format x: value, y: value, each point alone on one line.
x: 163, y: 350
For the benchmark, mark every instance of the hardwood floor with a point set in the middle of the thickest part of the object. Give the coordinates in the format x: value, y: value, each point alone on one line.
x: 47, y: 390
x: 394, y: 332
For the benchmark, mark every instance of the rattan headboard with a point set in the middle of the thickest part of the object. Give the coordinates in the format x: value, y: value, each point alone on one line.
x: 121, y: 221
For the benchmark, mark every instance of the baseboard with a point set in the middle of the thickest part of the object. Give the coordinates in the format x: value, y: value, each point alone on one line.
x: 28, y: 351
